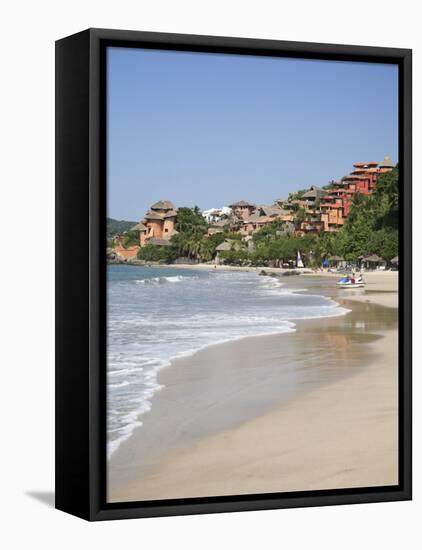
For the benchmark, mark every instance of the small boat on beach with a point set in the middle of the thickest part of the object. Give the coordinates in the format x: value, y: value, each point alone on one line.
x: 351, y: 282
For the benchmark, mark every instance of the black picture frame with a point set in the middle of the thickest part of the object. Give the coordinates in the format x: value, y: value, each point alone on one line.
x: 80, y: 273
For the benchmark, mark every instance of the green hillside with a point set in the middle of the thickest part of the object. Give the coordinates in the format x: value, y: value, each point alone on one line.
x: 115, y: 227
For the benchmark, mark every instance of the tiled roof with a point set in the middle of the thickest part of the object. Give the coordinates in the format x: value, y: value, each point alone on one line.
x: 240, y: 203
x: 271, y: 210
x: 386, y: 163
x: 170, y: 214
x: 314, y: 192
x: 139, y: 227
x: 163, y: 205
x: 150, y: 215
x: 361, y: 164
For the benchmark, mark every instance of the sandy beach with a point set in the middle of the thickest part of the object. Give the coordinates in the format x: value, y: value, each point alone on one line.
x: 312, y: 409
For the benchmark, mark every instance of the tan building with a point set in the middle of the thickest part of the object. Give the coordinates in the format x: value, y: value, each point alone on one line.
x: 242, y: 209
x: 142, y: 232
x: 254, y: 223
x: 312, y: 197
x: 158, y: 223
x: 271, y: 211
x: 262, y: 216
x: 218, y: 227
x: 386, y: 165
x: 332, y: 212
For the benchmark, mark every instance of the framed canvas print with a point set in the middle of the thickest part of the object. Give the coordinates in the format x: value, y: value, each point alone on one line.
x: 233, y: 274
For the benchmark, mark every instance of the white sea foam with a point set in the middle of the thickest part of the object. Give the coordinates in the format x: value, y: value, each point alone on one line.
x: 149, y: 329
x: 162, y: 280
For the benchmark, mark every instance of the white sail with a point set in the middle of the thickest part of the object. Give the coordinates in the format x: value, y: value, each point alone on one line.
x: 299, y: 262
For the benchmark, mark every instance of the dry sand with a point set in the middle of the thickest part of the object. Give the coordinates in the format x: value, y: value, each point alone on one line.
x: 338, y: 429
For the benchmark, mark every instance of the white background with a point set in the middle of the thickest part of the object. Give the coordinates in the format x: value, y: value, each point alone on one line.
x: 28, y: 32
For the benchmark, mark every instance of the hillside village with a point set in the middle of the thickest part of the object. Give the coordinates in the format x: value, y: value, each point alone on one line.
x: 308, y: 214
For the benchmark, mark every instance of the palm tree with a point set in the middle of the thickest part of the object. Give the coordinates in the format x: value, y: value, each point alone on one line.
x: 195, y: 246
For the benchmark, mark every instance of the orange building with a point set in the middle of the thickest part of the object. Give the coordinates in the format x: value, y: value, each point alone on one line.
x: 335, y: 205
x: 129, y: 253
x: 332, y: 212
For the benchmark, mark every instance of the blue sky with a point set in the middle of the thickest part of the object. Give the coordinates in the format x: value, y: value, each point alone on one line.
x: 208, y: 129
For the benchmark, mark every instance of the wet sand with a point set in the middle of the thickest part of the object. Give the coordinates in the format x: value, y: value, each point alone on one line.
x: 313, y: 409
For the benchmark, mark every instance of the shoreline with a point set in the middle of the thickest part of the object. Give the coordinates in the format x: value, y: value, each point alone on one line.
x: 132, y: 479
x: 277, y: 270
x: 381, y: 289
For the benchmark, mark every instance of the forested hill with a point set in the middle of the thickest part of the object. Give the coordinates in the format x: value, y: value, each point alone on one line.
x: 115, y: 227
